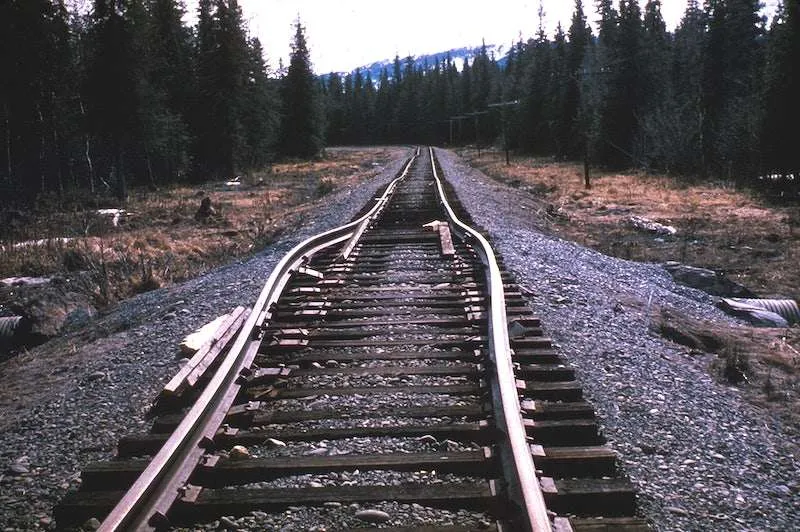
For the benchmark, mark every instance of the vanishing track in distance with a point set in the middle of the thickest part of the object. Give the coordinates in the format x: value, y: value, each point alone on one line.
x: 389, y: 372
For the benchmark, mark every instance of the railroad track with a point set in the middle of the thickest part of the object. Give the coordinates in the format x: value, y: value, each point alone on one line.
x: 389, y: 372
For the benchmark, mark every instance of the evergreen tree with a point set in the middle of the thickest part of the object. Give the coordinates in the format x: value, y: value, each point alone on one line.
x: 730, y: 88
x: 571, y: 128
x: 34, y: 98
x: 624, y: 93
x: 782, y: 105
x: 302, y: 127
x: 113, y: 90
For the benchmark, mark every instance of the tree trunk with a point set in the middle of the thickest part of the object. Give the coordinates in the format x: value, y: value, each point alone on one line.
x: 86, y: 151
x: 587, y: 184
x: 10, y: 166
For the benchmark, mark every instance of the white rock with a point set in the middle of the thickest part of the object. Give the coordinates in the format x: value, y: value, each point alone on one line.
x: 373, y: 516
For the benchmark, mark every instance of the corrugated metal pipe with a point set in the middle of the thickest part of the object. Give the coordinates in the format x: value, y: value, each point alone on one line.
x: 786, y: 308
x: 11, y: 327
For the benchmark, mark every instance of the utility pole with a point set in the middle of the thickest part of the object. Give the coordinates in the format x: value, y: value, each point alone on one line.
x: 503, y: 106
x: 476, y: 114
x: 457, y: 119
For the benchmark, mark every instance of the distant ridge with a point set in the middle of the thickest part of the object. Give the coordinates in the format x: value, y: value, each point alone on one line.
x: 458, y: 55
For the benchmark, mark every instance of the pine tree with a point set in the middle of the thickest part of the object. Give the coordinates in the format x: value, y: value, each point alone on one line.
x: 571, y: 128
x: 113, y: 91
x: 782, y: 106
x: 170, y: 78
x: 302, y: 127
x: 730, y: 88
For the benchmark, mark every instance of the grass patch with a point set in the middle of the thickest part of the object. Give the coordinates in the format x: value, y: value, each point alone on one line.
x: 719, y: 227
x: 160, y: 242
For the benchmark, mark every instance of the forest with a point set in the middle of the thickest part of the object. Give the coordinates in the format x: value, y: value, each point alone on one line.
x: 128, y: 94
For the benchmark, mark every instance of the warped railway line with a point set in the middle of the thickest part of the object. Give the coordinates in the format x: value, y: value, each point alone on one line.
x: 389, y: 374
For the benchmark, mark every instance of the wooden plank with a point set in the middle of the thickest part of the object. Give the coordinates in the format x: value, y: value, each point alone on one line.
x: 455, y: 370
x: 227, y: 472
x: 461, y: 431
x: 259, y: 394
x: 607, y: 497
x: 144, y: 444
x: 120, y: 474
x: 242, y: 417
x: 464, y: 343
x: 189, y: 374
x: 564, y: 432
x: 553, y: 391
x: 213, y: 503
x: 311, y: 356
x: 553, y: 410
x: 546, y: 372
x: 609, y: 524
x: 585, y: 461
x: 328, y: 323
x: 446, y: 240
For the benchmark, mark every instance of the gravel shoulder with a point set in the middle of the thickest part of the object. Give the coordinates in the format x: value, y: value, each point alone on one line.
x: 703, y: 458
x: 60, y: 403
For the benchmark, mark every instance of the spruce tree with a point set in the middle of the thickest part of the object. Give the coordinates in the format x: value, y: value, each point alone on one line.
x: 782, y: 105
x: 302, y: 126
x: 571, y: 128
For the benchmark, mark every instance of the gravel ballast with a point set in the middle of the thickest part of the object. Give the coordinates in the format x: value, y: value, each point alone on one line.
x: 47, y: 435
x: 702, y: 457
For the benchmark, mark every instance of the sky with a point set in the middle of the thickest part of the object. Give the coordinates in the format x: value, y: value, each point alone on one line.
x: 345, y: 34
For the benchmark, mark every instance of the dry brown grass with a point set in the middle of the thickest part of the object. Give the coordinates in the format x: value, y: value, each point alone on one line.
x: 162, y: 242
x: 719, y: 227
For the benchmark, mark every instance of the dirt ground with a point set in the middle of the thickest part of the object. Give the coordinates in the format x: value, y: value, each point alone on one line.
x: 161, y: 241
x: 717, y: 226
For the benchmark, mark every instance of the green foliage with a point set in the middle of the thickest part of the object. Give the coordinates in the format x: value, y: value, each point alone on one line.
x: 302, y: 122
x: 128, y: 94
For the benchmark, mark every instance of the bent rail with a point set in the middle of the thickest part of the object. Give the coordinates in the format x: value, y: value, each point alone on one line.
x: 145, y: 505
x: 516, y: 455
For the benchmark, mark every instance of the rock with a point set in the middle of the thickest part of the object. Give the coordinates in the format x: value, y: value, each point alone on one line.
x: 516, y: 329
x: 229, y: 523
x: 205, y: 211
x: 649, y: 226
x: 677, y: 510
x: 239, y: 452
x: 373, y: 516
x: 272, y: 442
x: 709, y: 281
x: 783, y: 491
x: 316, y: 452
x: 92, y: 524
x: 427, y: 439
x: 51, y: 310
x: 17, y: 469
x: 96, y: 376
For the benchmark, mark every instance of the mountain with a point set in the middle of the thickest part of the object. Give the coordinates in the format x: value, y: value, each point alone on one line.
x: 458, y: 55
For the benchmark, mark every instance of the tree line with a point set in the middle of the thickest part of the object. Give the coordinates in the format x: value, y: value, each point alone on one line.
x: 716, y: 97
x: 129, y: 94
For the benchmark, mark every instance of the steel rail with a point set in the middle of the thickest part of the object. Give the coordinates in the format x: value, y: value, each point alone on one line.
x: 146, y: 504
x: 515, y: 453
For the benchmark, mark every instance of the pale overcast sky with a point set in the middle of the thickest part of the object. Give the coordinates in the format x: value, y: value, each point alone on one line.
x: 345, y: 34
